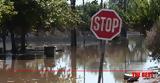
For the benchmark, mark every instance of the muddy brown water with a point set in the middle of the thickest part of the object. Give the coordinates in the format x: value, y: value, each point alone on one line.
x: 79, y: 65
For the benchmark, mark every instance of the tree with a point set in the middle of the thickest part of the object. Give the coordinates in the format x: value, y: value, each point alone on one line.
x: 143, y: 16
x: 139, y: 13
x: 154, y: 10
x: 86, y: 12
x: 58, y: 14
x: 42, y: 15
x: 21, y: 23
x: 6, y: 12
x: 153, y: 35
x: 35, y: 15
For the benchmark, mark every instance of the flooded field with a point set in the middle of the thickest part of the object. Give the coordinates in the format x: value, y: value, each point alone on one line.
x: 78, y: 65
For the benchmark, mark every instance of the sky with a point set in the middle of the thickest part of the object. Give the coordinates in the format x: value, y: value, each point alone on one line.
x: 79, y: 2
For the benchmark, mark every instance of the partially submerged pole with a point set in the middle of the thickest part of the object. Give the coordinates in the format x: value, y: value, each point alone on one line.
x: 102, y: 48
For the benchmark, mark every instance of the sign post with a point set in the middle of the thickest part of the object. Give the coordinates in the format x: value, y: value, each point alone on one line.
x: 105, y: 25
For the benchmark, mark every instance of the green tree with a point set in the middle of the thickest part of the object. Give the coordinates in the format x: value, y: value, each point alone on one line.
x: 42, y: 15
x: 6, y: 12
x: 35, y: 15
x: 140, y: 14
x: 58, y: 14
x: 21, y: 23
x: 155, y: 9
x: 153, y: 35
x: 86, y: 12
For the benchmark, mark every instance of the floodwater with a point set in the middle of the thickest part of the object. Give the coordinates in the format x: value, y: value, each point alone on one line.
x: 78, y: 65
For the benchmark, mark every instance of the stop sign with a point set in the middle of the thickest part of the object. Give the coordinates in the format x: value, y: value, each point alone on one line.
x: 106, y: 24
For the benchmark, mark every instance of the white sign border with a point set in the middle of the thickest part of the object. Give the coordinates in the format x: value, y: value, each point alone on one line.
x: 109, y: 11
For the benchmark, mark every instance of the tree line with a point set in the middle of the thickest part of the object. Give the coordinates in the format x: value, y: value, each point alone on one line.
x: 19, y: 17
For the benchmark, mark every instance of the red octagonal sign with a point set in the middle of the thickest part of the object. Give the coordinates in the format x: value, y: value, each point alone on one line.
x: 106, y: 24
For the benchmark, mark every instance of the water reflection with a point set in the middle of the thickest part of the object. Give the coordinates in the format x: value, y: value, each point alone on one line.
x: 124, y: 55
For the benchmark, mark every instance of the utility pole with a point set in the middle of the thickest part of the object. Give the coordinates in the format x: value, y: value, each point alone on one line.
x: 83, y: 2
x: 101, y: 3
x: 73, y: 30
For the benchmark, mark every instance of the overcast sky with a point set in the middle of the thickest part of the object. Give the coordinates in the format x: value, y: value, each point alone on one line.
x: 79, y: 2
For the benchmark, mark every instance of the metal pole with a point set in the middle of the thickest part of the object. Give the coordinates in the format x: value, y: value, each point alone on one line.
x: 83, y: 2
x: 84, y: 73
x: 102, y: 48
x: 125, y: 64
x: 101, y: 4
